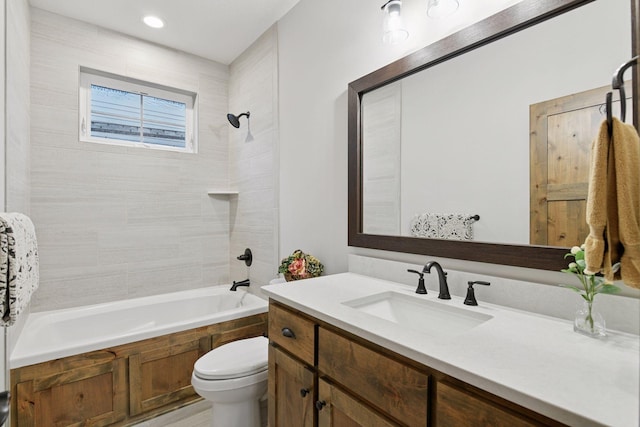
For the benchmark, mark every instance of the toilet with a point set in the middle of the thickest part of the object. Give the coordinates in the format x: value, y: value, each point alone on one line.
x: 233, y: 377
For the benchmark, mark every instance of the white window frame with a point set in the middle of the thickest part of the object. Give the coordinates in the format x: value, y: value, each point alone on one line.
x: 90, y: 77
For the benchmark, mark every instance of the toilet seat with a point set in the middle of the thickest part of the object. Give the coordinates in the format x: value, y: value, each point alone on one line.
x: 236, y: 359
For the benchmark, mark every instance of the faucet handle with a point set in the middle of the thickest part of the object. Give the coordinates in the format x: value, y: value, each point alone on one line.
x: 471, y: 296
x: 421, y: 288
x: 247, y: 257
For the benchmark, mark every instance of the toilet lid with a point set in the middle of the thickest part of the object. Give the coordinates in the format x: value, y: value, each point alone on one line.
x: 233, y: 360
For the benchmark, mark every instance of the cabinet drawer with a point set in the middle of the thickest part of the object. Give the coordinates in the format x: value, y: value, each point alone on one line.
x: 292, y: 332
x: 395, y: 388
x: 458, y: 408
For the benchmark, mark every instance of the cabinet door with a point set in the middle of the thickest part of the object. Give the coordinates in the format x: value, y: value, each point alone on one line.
x: 387, y: 383
x: 337, y: 409
x: 91, y: 392
x: 291, y: 391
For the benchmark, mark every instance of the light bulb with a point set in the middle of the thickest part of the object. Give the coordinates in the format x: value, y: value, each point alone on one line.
x: 393, y: 30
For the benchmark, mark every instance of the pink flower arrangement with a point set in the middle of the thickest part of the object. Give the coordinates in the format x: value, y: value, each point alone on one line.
x: 299, y: 265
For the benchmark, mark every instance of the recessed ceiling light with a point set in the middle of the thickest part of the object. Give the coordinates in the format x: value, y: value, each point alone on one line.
x: 153, y: 21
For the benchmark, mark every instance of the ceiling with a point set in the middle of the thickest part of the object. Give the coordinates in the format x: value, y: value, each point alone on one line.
x: 219, y: 30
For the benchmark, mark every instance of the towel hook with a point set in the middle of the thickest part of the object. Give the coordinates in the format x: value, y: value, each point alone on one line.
x: 617, y: 82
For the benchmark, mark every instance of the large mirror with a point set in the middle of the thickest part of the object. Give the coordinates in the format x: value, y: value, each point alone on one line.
x: 451, y: 132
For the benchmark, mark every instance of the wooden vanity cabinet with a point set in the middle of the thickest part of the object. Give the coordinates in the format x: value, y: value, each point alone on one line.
x: 348, y: 383
x: 353, y: 382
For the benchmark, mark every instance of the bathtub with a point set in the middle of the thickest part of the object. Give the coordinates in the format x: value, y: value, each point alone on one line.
x: 55, y: 334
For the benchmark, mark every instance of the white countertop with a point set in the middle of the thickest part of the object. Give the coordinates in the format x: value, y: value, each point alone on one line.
x: 536, y: 361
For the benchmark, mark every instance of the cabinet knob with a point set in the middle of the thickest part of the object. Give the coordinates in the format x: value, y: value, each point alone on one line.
x: 288, y: 333
x: 304, y: 392
x: 320, y: 404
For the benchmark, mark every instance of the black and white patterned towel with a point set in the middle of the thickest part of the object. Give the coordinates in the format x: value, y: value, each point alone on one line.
x: 19, y: 274
x: 443, y: 226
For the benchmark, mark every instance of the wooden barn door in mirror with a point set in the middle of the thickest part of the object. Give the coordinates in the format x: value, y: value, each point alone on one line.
x: 562, y: 131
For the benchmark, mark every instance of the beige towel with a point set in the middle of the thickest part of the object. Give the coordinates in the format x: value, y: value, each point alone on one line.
x: 613, y: 205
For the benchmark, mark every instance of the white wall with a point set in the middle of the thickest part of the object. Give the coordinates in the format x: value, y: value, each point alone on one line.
x: 253, y: 87
x: 116, y: 222
x: 322, y: 47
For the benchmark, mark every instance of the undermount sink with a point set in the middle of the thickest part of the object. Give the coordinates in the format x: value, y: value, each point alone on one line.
x: 419, y: 314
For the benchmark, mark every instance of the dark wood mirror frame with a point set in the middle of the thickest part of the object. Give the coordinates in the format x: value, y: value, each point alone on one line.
x: 513, y: 19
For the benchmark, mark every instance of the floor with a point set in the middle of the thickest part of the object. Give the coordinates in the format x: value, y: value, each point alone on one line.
x: 196, y: 415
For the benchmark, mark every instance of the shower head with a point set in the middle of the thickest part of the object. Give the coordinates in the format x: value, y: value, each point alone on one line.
x: 235, y: 120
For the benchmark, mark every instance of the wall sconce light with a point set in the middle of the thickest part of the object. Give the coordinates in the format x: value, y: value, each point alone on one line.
x: 441, y: 8
x: 393, y: 30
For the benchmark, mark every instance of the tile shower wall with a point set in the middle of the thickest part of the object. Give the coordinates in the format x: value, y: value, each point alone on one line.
x: 253, y: 86
x: 17, y: 112
x: 14, y: 156
x: 116, y: 222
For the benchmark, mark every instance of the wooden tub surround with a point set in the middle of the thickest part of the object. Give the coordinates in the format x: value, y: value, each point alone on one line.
x: 120, y: 385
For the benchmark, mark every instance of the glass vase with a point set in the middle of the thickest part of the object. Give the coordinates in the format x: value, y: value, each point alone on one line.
x: 589, y: 321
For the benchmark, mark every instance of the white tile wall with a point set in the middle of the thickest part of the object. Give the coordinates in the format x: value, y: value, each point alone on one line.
x: 253, y: 86
x: 17, y: 102
x: 14, y: 158
x: 117, y: 222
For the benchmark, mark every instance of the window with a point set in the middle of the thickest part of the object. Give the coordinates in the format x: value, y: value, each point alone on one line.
x: 123, y: 111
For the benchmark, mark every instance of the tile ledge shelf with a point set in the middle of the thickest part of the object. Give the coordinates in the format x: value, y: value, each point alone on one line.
x: 222, y: 192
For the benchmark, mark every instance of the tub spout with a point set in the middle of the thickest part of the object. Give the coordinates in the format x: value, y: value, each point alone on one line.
x: 235, y: 285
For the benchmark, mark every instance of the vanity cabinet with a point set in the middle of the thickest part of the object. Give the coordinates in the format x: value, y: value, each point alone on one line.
x: 353, y: 382
x: 350, y: 384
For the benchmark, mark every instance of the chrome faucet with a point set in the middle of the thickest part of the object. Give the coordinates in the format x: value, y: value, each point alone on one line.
x: 442, y: 279
x: 235, y: 285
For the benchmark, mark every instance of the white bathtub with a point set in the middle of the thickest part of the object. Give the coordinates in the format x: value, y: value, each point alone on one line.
x: 59, y: 333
